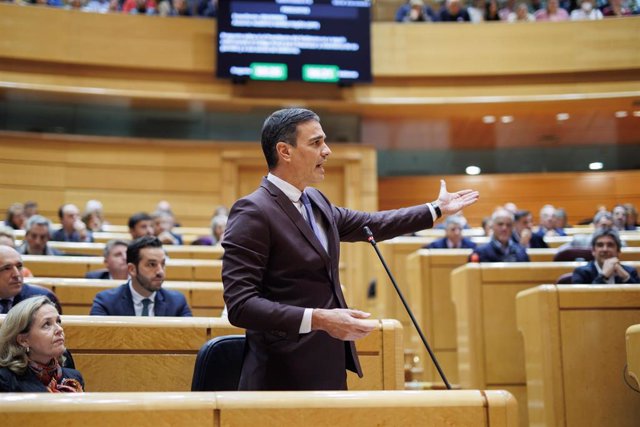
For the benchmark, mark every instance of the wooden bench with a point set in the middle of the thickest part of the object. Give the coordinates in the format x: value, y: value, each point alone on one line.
x: 574, y: 344
x: 490, y: 347
x: 76, y: 295
x: 173, y: 251
x: 78, y: 266
x: 117, y: 353
x: 267, y: 409
x: 633, y: 353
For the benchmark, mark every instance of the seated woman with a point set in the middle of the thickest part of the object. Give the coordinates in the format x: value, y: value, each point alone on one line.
x: 31, y: 350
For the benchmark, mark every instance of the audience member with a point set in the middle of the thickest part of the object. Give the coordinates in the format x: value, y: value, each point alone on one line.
x: 547, y: 225
x: 162, y: 226
x: 560, y: 220
x: 553, y: 12
x: 487, y: 226
x: 477, y: 11
x: 453, y: 11
x: 509, y: 7
x: 605, y: 267
x: 32, y: 346
x: 619, y: 215
x: 142, y: 295
x: 95, y: 207
x: 12, y: 286
x: 415, y: 11
x: 491, y: 11
x: 139, y: 7
x: 7, y: 236
x: 96, y: 6
x: 92, y: 222
x: 165, y: 206
x: 140, y: 224
x: 37, y: 234
x: 73, y: 229
x: 521, y: 14
x: 587, y: 12
x: 15, y: 216
x: 501, y: 248
x: 218, y: 225
x: 453, y: 236
x: 632, y: 216
x: 616, y: 8
x: 603, y: 220
x: 220, y: 210
x: 523, y: 231
x: 30, y: 209
x: 115, y: 259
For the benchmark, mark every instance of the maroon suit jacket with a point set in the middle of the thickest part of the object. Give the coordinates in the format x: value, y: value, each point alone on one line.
x: 274, y: 267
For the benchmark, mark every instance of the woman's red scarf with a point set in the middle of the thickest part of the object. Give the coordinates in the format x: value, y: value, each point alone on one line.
x: 51, y: 376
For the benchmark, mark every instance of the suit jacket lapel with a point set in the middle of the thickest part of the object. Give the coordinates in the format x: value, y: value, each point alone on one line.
x: 159, y: 305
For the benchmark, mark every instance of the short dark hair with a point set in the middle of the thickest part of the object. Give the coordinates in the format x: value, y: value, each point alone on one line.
x: 521, y: 214
x: 136, y: 218
x: 134, y: 248
x: 282, y: 125
x: 113, y: 243
x: 601, y: 232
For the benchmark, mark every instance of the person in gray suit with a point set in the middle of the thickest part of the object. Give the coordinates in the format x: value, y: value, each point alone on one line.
x: 281, y: 256
x: 142, y: 295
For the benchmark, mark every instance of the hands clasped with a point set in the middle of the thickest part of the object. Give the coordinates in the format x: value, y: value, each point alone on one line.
x: 342, y: 323
x: 451, y: 203
x: 612, y: 267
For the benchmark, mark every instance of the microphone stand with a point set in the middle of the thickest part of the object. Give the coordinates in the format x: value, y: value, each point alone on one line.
x: 406, y: 306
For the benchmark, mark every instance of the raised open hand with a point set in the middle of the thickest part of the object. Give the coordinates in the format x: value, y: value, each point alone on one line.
x: 451, y: 203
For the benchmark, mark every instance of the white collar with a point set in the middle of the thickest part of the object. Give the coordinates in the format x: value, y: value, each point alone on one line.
x: 291, y: 191
x: 137, y: 298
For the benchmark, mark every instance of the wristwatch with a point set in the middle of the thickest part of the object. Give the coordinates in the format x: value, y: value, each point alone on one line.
x: 436, y: 207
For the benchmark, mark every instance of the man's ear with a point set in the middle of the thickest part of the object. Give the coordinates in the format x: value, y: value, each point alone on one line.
x: 284, y: 151
x: 132, y: 269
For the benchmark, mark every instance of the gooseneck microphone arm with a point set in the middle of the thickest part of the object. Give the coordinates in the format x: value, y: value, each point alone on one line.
x: 371, y: 240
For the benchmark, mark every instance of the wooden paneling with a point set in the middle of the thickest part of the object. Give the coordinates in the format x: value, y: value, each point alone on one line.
x: 574, y: 340
x: 633, y: 353
x: 579, y: 193
x: 268, y: 409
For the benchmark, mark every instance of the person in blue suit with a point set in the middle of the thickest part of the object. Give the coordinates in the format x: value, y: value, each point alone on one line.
x: 115, y: 259
x: 453, y: 236
x: 142, y: 295
x: 12, y: 286
x: 501, y: 248
x: 605, y: 267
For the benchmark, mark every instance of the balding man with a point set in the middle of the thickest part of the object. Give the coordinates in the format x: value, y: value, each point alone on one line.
x: 501, y: 248
x: 12, y: 287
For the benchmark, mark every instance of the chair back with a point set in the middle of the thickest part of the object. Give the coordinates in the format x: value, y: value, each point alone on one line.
x: 68, y: 360
x: 574, y: 254
x: 564, y: 279
x: 218, y: 364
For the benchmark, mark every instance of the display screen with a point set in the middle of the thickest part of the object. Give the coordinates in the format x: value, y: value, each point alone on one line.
x: 295, y: 40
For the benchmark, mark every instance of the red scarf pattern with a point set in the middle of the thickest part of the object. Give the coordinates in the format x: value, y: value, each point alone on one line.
x: 51, y: 376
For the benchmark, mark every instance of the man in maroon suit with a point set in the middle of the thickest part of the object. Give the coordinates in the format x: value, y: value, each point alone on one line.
x: 280, y: 263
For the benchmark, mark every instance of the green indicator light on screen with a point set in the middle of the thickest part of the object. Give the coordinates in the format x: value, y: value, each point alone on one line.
x: 269, y: 71
x: 320, y: 73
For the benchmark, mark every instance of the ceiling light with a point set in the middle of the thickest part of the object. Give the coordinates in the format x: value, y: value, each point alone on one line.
x: 473, y: 170
x: 621, y: 114
x: 636, y: 113
x: 562, y: 117
x: 506, y: 119
x: 488, y: 119
x: 595, y: 166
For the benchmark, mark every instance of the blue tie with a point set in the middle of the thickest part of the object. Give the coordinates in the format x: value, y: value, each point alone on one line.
x: 145, y: 306
x: 310, y: 218
x: 5, y: 306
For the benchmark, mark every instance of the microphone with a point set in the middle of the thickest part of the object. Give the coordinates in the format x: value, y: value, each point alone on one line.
x: 371, y: 240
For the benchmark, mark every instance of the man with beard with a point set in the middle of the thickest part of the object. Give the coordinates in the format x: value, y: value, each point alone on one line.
x: 142, y: 295
x: 12, y: 288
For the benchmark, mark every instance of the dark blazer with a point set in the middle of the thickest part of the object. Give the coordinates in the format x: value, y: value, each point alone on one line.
x: 274, y: 267
x: 28, y: 382
x: 60, y: 236
x: 589, y: 274
x: 29, y: 291
x: 442, y: 244
x: 98, y: 274
x: 491, y: 252
x: 119, y: 302
x: 537, y: 240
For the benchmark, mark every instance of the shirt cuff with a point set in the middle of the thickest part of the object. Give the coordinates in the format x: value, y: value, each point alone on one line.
x: 305, y: 326
x: 433, y: 212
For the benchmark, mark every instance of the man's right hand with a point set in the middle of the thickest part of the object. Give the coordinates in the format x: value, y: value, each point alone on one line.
x: 342, y: 323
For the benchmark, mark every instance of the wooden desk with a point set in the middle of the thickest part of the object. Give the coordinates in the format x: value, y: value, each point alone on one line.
x: 267, y: 409
x: 490, y: 347
x: 78, y: 266
x: 173, y: 251
x: 633, y: 353
x: 76, y: 295
x: 574, y: 343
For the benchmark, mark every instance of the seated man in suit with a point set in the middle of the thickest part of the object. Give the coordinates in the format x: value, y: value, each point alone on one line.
x: 453, y: 236
x: 36, y: 237
x: 547, y: 223
x: 523, y: 234
x: 73, y: 229
x: 501, y: 248
x: 140, y: 224
x: 115, y: 259
x: 605, y: 267
x: 12, y: 286
x: 142, y: 295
